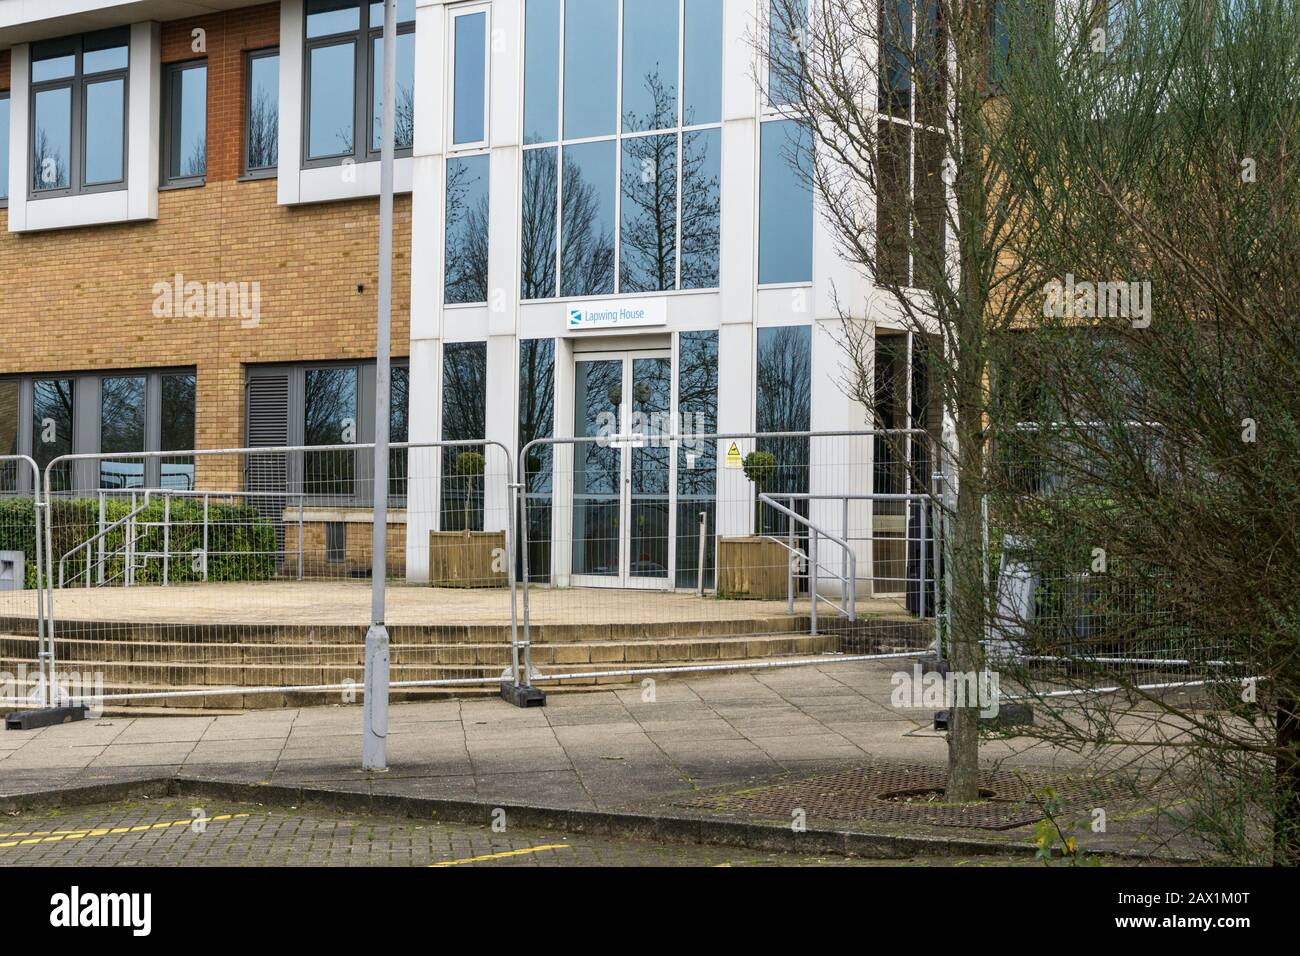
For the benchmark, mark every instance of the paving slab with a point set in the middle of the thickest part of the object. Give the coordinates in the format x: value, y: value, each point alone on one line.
x: 607, y: 750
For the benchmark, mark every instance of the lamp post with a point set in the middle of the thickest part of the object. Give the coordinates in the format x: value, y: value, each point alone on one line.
x: 374, y: 731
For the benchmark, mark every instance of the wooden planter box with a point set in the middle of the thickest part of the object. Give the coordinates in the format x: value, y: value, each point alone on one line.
x: 889, y: 544
x: 463, y: 559
x: 752, y: 567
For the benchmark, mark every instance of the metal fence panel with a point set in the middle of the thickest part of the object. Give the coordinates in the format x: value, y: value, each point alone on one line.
x: 683, y: 551
x: 24, y: 675
x: 240, y: 577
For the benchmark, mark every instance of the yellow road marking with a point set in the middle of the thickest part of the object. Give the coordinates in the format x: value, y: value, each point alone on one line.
x: 500, y: 856
x: 58, y: 836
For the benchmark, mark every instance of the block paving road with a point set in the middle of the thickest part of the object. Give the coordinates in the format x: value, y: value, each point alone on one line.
x: 179, y: 832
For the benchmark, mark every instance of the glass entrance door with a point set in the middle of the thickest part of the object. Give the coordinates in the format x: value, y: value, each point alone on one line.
x: 622, y: 482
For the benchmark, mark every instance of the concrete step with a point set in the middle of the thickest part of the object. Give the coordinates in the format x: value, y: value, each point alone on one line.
x: 584, y: 652
x: 541, y: 633
x: 235, y: 701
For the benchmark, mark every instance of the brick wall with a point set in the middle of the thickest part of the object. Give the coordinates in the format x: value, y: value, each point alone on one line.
x: 81, y: 299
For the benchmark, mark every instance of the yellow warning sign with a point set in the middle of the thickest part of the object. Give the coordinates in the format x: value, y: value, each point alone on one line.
x: 734, y: 459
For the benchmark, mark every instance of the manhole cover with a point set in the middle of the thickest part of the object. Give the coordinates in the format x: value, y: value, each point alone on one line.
x: 914, y: 794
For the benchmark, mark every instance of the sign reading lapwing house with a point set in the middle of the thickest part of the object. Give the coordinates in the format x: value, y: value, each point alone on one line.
x: 617, y: 314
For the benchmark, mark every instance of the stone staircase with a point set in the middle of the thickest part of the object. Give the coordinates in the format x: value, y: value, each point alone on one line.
x: 152, y: 657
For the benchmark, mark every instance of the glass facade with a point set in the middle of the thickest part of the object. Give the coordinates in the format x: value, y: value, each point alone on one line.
x: 177, y: 433
x: 53, y: 417
x: 634, y: 199
x: 911, y: 216
x: 784, y: 404
x: 469, y: 90
x: 330, y: 418
x: 466, y: 258
x: 697, y: 461
x: 464, y: 412
x: 121, y: 429
x: 785, y: 208
x: 537, y: 420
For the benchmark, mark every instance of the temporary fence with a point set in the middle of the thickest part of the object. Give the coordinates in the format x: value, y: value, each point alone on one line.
x: 240, y: 576
x: 742, y: 550
x: 25, y: 674
x: 220, y: 577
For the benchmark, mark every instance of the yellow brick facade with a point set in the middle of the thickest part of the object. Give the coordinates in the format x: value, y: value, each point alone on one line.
x: 82, y: 299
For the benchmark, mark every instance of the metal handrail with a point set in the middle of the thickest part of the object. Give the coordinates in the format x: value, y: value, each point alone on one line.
x: 166, y: 524
x: 849, y: 595
x: 102, y: 535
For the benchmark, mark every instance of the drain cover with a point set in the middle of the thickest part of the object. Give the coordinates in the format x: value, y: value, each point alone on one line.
x: 908, y: 793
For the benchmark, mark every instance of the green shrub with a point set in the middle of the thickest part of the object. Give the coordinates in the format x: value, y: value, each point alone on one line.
x: 759, y: 467
x: 18, y: 532
x: 242, y: 544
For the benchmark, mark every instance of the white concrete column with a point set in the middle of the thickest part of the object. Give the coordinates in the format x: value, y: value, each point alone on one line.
x: 738, y: 259
x: 562, y: 502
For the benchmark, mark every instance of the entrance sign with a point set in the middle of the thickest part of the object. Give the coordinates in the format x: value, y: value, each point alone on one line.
x: 617, y: 314
x: 734, y: 459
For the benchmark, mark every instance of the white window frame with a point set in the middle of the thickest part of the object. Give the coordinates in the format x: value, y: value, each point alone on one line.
x: 453, y: 14
x: 137, y: 198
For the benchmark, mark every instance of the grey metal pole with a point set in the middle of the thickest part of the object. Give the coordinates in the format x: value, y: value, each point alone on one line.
x: 374, y: 733
x: 699, y: 574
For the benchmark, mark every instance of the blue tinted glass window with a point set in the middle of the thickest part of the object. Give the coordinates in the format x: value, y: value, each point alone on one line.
x: 102, y: 61
x: 785, y: 213
x: 4, y: 147
x: 121, y: 430
x: 590, y: 67
x: 539, y: 224
x: 587, y: 219
x: 262, y: 129
x: 52, y: 139
x: 541, y: 71
x: 330, y: 118
x: 648, y: 247
x: 701, y: 207
x: 787, y: 26
x: 53, y: 67
x: 470, y: 63
x: 327, y: 17
x: 52, y: 421
x: 187, y: 133
x: 702, y: 68
x: 330, y: 411
x: 467, y: 229
x: 105, y: 126
x: 405, y: 13
x: 649, y: 65
x: 783, y: 379
x: 895, y: 53
x: 464, y: 408
x: 697, y: 468
x: 404, y: 112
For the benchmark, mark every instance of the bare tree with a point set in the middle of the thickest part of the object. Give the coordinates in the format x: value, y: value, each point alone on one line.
x: 907, y: 167
x: 263, y: 136
x: 467, y: 234
x: 1152, y: 420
